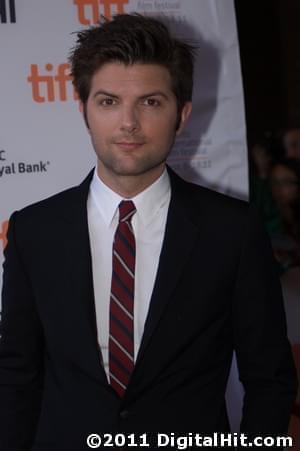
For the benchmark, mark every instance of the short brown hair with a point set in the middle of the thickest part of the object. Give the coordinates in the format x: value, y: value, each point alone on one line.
x: 130, y: 39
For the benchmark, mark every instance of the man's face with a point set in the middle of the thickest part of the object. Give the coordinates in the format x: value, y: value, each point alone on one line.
x: 284, y: 184
x: 292, y: 143
x: 132, y: 113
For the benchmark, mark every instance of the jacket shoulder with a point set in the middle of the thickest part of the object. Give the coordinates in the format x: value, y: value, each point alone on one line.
x: 54, y: 202
x: 198, y: 198
x: 58, y: 203
x: 37, y: 218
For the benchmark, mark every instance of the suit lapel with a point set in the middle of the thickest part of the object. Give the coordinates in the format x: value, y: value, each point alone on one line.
x: 179, y: 240
x: 78, y: 289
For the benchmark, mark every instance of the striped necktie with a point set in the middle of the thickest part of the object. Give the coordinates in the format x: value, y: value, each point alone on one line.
x: 121, y: 332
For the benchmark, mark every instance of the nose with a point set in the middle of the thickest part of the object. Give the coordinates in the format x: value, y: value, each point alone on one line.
x: 130, y: 121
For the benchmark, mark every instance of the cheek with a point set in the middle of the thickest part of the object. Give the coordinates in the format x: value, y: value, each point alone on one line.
x: 158, y: 118
x: 163, y: 130
x: 164, y: 137
x: 101, y: 129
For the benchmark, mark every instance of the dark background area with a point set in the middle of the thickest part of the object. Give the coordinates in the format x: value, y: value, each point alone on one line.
x: 269, y: 35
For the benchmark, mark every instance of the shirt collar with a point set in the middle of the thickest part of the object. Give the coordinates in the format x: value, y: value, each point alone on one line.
x: 147, y: 203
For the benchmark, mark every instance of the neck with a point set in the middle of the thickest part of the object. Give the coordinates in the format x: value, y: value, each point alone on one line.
x: 129, y: 186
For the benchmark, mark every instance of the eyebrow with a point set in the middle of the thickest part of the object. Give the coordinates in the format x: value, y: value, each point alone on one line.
x: 144, y: 96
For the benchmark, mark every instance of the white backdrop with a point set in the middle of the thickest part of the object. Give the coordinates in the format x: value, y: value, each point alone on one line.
x: 44, y: 146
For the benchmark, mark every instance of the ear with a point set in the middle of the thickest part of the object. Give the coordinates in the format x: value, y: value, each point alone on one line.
x: 184, y: 116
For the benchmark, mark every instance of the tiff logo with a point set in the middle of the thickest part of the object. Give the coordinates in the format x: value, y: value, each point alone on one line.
x: 53, y: 86
x: 97, y: 7
x: 6, y: 5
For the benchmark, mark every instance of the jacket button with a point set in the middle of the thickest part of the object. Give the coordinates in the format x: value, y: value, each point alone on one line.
x: 124, y: 414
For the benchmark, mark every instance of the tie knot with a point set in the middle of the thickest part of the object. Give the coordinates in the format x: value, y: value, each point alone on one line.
x: 126, y: 210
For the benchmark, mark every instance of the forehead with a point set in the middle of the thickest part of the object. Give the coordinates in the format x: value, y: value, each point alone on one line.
x: 136, y: 78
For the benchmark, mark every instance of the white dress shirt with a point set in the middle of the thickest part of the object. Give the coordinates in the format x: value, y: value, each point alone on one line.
x: 148, y: 223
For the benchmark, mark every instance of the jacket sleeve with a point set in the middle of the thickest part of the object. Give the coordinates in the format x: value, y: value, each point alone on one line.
x: 21, y: 353
x: 263, y: 352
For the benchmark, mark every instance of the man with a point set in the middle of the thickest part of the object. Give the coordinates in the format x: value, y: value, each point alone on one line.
x: 124, y: 297
x: 291, y: 142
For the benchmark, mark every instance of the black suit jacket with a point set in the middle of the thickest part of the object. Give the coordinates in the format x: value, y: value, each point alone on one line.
x: 216, y: 290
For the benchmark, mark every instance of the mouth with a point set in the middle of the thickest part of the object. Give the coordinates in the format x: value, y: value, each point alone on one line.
x: 129, y: 145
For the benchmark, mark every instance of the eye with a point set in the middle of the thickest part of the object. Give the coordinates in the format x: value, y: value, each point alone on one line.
x: 151, y: 102
x: 107, y: 101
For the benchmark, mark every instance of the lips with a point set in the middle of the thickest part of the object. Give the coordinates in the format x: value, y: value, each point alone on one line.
x: 129, y: 144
